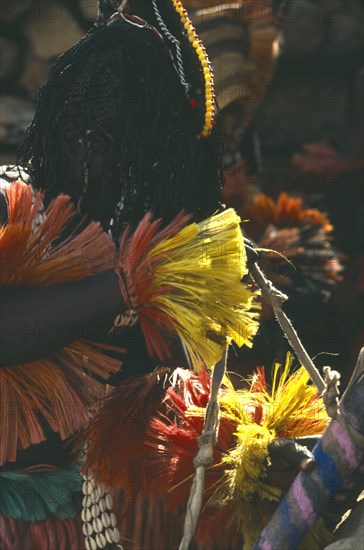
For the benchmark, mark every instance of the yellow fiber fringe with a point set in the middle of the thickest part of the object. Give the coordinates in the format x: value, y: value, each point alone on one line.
x: 203, y: 266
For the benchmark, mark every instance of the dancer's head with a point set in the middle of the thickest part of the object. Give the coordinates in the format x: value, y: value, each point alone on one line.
x: 117, y: 128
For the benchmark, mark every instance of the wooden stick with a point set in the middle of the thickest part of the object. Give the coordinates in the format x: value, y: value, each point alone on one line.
x: 205, y: 455
x: 276, y: 298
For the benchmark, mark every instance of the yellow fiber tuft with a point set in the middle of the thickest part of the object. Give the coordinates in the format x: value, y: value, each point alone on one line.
x: 247, y: 462
x: 203, y: 266
x: 291, y: 408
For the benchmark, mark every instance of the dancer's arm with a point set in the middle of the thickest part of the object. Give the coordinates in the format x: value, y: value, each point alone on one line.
x: 37, y: 321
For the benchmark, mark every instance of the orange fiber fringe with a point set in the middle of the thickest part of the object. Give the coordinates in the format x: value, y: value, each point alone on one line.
x: 30, y: 247
x: 60, y: 388
x: 286, y: 212
x: 120, y: 427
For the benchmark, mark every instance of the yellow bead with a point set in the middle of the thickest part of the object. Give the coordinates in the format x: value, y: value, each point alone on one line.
x: 205, y: 64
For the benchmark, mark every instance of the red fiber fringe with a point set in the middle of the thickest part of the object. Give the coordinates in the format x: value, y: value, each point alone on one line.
x: 49, y: 534
x: 172, y: 440
x: 116, y: 452
x: 137, y: 274
x: 146, y: 524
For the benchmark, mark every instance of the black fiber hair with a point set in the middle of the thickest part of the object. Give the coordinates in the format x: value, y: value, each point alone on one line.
x: 119, y: 87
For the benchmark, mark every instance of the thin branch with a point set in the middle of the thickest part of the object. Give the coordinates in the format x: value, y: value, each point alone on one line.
x: 276, y: 298
x: 204, y: 457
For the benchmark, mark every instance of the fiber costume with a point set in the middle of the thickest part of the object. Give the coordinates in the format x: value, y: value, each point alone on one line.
x: 164, y: 279
x: 205, y: 262
x: 45, y: 402
x: 240, y: 497
x: 107, y: 86
x: 159, y: 284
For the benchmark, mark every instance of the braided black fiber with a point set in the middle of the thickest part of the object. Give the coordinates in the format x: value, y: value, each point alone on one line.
x: 118, y: 86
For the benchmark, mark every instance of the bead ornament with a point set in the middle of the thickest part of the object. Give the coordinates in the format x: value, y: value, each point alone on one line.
x: 210, y: 98
x: 98, y: 520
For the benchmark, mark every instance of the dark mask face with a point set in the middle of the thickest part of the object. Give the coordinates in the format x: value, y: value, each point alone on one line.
x: 115, y: 130
x: 86, y: 132
x: 87, y: 171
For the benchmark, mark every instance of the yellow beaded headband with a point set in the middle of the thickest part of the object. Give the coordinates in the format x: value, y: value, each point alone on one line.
x: 209, y: 92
